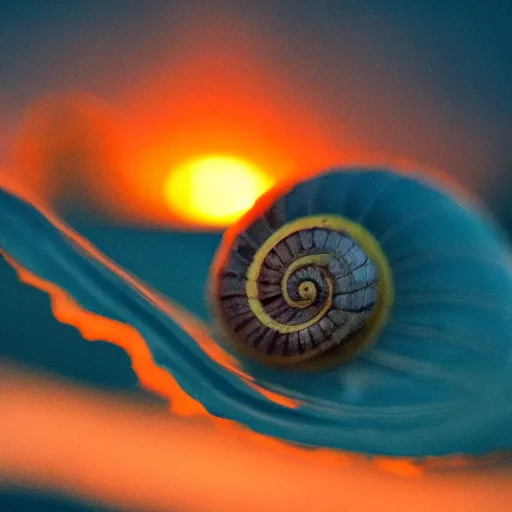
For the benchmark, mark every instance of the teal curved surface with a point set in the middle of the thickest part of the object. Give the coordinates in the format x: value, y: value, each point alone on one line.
x: 438, y: 379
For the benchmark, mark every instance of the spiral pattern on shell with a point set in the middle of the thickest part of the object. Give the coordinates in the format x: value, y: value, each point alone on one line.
x: 289, y: 291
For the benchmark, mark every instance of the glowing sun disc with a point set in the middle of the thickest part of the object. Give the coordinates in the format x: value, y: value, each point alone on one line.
x: 214, y: 190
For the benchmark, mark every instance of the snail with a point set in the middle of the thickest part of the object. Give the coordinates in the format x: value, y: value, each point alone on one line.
x: 360, y: 309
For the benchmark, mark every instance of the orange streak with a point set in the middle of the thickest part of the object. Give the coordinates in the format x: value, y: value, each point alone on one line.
x: 139, y: 458
x: 96, y: 328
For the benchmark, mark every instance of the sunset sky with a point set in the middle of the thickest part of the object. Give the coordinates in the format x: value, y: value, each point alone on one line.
x: 291, y: 87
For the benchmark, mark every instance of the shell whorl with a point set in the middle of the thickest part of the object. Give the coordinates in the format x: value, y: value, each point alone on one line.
x: 290, y: 291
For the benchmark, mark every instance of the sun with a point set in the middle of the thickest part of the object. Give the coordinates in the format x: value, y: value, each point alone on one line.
x: 214, y: 190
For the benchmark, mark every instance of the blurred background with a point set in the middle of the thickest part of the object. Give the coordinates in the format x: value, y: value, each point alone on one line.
x: 138, y: 121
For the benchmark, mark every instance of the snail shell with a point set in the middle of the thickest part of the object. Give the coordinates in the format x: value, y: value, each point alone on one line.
x: 309, y: 276
x: 287, y: 292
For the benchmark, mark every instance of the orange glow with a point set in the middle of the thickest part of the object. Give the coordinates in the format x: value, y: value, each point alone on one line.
x: 219, y: 89
x: 214, y: 190
x: 115, y: 158
x: 137, y: 457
